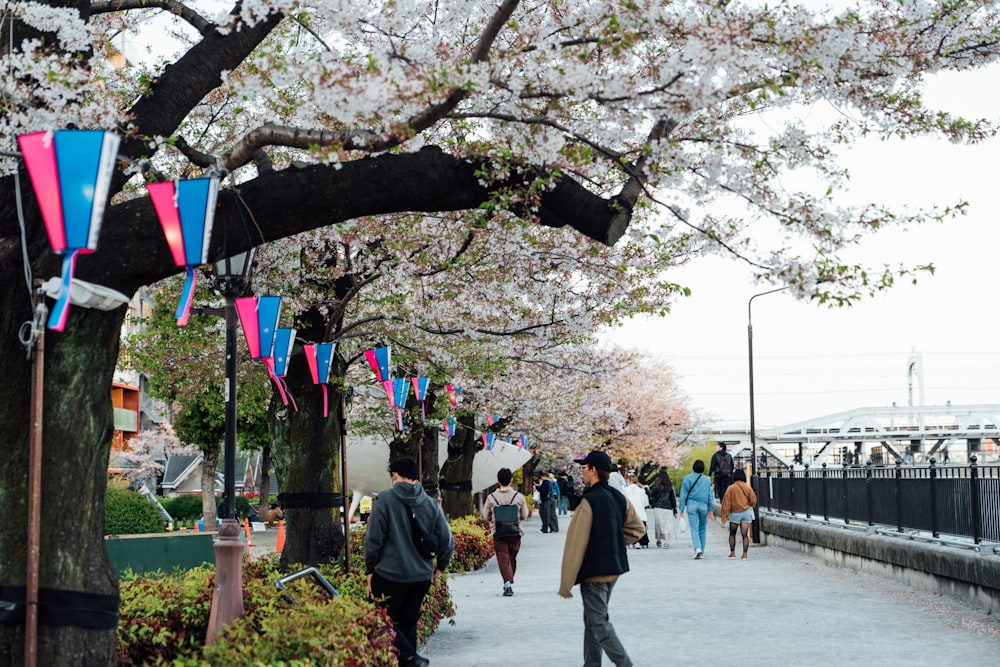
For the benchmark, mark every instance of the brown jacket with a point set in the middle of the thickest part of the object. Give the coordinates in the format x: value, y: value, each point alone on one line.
x: 739, y: 498
x: 578, y: 536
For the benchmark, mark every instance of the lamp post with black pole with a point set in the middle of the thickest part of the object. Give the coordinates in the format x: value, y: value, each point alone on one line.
x: 231, y: 278
x: 754, y: 477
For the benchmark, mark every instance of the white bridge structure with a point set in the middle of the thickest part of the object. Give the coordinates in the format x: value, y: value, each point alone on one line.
x: 912, y: 434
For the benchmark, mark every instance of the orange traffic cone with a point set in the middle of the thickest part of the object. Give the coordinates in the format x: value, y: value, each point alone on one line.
x: 281, y: 537
x: 196, y: 527
x: 246, y: 529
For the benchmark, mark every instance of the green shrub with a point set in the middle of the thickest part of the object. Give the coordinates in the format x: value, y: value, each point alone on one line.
x: 163, y: 615
x: 473, y: 544
x: 243, y: 508
x: 164, y: 619
x: 183, y: 508
x: 129, y: 512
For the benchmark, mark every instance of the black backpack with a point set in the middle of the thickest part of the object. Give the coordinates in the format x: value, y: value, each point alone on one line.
x: 726, y: 464
x: 506, y: 518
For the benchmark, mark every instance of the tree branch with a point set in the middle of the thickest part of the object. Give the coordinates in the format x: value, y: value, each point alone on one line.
x: 197, y: 21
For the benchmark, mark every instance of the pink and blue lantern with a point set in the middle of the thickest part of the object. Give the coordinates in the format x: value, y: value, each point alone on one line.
x: 259, y: 317
x: 379, y: 360
x: 420, y: 393
x: 522, y: 442
x: 401, y: 389
x: 320, y: 359
x: 449, y: 426
x: 186, y: 210
x: 71, y: 173
x: 488, y: 441
x: 453, y: 393
x: 492, y: 419
x: 277, y: 363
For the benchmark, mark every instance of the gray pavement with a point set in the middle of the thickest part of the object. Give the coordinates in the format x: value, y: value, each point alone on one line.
x: 777, y: 607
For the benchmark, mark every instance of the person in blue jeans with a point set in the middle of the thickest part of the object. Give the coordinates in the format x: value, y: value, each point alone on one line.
x: 698, y: 501
x: 564, y: 490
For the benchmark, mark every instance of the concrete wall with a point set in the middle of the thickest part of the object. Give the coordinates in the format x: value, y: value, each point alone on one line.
x: 971, y: 576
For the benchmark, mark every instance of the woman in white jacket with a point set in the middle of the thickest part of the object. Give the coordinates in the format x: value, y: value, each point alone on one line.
x: 639, y: 499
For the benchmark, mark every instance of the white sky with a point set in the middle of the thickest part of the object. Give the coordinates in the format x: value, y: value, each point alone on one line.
x: 810, y: 361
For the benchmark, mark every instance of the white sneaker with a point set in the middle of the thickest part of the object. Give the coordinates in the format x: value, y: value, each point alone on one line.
x: 697, y: 554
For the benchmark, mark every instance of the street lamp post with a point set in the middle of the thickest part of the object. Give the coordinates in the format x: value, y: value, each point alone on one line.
x: 232, y: 280
x: 754, y: 476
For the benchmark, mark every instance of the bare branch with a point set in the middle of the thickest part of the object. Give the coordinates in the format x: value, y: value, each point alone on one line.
x: 197, y: 21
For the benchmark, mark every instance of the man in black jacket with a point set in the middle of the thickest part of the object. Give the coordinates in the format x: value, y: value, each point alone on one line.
x: 721, y: 469
x: 594, y: 556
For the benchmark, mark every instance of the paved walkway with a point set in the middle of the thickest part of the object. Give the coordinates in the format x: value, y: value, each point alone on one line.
x: 776, y: 608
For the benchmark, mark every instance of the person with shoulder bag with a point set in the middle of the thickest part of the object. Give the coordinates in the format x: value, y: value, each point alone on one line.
x: 506, y: 510
x: 408, y: 544
x: 664, y: 502
x: 698, y: 501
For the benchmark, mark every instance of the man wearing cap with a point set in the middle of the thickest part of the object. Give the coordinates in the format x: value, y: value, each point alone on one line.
x: 398, y: 574
x: 594, y: 556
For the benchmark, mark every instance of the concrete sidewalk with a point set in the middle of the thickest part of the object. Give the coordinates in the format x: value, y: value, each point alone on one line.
x: 777, y: 607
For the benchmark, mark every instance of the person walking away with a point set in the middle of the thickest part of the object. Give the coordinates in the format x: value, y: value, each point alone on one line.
x: 594, y: 556
x: 616, y: 480
x: 698, y: 502
x: 664, y: 502
x: 737, y: 510
x: 635, y: 493
x: 506, y: 534
x: 565, y: 490
x: 721, y: 469
x: 547, y: 504
x: 399, y: 573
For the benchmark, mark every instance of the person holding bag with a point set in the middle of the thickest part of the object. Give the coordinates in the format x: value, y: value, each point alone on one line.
x: 737, y: 509
x: 664, y: 502
x: 696, y: 493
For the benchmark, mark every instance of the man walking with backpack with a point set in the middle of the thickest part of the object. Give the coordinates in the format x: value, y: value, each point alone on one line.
x: 721, y: 469
x: 505, y: 509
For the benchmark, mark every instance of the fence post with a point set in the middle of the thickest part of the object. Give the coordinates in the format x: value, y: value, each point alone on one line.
x: 791, y: 492
x: 822, y: 490
x: 934, y: 530
x: 977, y: 519
x: 769, y: 487
x: 806, y: 485
x: 844, y: 494
x: 899, y: 495
x: 868, y: 490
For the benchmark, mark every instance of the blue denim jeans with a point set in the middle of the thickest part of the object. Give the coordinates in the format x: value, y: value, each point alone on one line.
x: 563, y: 505
x: 698, y: 520
x: 598, y: 633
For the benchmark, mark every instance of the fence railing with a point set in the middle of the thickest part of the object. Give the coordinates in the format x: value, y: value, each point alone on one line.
x: 962, y: 501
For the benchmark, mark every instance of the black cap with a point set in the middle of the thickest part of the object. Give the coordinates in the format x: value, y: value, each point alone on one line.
x: 405, y: 467
x: 598, y: 459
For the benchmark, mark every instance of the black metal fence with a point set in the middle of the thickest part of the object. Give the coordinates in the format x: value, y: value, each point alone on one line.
x: 962, y: 501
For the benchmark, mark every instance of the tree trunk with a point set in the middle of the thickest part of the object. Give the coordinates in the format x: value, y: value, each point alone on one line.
x: 77, y: 429
x: 306, y: 459
x: 456, y: 474
x: 209, y: 504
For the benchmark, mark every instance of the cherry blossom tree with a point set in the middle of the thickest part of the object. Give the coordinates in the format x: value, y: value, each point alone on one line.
x: 610, y: 119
